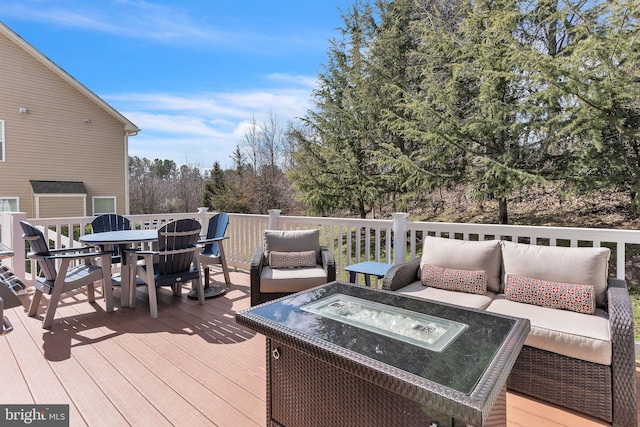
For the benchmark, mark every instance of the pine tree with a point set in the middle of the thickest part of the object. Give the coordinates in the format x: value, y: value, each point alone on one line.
x: 598, y: 79
x: 335, y: 157
x: 214, y: 188
x: 414, y: 166
x: 482, y: 113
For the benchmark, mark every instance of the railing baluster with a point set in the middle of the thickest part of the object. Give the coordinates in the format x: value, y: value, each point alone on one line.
x: 620, y: 260
x: 412, y: 244
x: 245, y: 232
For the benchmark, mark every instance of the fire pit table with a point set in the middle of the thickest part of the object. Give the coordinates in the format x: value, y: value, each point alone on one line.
x: 341, y: 354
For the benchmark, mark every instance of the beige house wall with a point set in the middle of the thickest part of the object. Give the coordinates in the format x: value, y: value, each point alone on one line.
x: 51, y: 207
x: 64, y: 136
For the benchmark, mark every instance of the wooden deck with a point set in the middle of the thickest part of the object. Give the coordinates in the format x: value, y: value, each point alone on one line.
x: 194, y: 366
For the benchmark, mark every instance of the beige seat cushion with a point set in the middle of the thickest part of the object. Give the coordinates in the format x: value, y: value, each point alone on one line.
x: 465, y: 255
x: 577, y: 335
x: 417, y: 289
x: 291, y: 279
x: 578, y: 266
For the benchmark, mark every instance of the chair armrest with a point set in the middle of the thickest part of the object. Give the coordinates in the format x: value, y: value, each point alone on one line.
x: 77, y: 249
x: 133, y: 251
x: 178, y: 251
x: 401, y: 275
x: 59, y: 250
x: 623, y: 365
x: 70, y: 256
x: 257, y: 261
x: 328, y: 263
x: 212, y: 240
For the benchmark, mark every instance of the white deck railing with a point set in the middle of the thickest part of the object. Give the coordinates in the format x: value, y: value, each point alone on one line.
x: 351, y: 240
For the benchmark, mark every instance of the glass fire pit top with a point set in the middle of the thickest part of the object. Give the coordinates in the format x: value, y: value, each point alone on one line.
x: 470, y: 340
x: 415, y: 328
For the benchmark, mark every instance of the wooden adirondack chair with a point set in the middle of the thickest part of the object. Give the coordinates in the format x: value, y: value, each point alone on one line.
x: 56, y: 281
x: 213, y: 254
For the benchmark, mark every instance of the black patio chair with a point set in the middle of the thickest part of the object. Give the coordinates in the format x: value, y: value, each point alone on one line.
x: 111, y: 222
x: 176, y: 254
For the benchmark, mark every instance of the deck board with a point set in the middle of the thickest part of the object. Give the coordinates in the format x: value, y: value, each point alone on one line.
x: 192, y: 366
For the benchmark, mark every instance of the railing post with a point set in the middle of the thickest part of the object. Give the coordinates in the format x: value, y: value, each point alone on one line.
x: 400, y: 237
x: 12, y: 237
x: 274, y: 214
x: 5, y: 234
x: 202, y: 218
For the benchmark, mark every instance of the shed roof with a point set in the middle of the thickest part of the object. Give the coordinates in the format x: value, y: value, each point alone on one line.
x: 58, y: 187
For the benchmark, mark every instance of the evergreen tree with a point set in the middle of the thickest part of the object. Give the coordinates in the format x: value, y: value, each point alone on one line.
x: 389, y: 78
x: 598, y: 80
x: 412, y: 167
x: 481, y: 113
x: 336, y: 152
x: 214, y: 188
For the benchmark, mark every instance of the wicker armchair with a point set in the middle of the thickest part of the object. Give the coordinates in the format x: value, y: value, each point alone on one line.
x: 270, y: 281
x: 604, y: 392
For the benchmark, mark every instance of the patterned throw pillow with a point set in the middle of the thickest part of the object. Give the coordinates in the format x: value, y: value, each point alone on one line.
x: 292, y: 259
x: 473, y: 282
x: 565, y: 296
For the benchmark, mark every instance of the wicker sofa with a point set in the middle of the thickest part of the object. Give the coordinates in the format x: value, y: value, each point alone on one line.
x: 584, y: 361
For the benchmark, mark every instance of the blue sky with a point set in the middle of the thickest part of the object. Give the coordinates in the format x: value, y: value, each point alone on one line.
x: 190, y: 73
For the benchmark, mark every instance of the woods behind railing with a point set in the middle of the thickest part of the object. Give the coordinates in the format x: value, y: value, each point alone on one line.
x: 351, y: 240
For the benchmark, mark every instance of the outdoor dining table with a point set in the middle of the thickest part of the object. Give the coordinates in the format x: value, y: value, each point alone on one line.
x: 124, y: 239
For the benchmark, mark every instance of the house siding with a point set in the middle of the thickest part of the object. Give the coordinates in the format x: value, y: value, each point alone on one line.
x: 65, y: 136
x: 51, y: 207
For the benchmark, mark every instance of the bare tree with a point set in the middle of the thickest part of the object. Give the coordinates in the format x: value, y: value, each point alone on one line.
x: 251, y: 144
x: 161, y: 187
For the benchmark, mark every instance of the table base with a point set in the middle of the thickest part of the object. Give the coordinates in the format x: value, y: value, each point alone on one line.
x: 298, y: 383
x: 211, y: 291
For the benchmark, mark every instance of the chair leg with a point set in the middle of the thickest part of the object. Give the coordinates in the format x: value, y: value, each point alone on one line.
x: 35, y: 303
x: 153, y: 299
x: 91, y: 292
x: 200, y: 289
x: 107, y: 289
x: 147, y: 276
x: 223, y: 261
x: 53, y: 305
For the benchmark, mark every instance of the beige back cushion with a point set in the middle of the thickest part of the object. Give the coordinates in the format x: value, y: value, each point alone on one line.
x: 292, y: 241
x: 578, y: 266
x: 464, y: 255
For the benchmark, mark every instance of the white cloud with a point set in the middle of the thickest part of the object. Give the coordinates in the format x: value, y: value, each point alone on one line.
x: 205, y: 127
x: 303, y: 81
x: 130, y: 19
x: 169, y: 25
